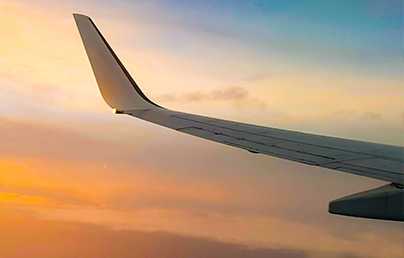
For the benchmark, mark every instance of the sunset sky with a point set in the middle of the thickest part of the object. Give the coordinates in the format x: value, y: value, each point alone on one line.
x: 78, y: 181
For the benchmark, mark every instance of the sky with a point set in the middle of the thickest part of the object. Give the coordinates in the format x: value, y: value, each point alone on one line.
x: 78, y: 181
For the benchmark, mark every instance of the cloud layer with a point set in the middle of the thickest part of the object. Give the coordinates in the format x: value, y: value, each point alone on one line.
x: 49, y: 239
x: 219, y: 193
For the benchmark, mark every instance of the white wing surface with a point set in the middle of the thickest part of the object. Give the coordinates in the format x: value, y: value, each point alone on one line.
x: 120, y: 91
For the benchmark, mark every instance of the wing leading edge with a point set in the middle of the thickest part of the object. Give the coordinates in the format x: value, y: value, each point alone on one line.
x: 120, y: 91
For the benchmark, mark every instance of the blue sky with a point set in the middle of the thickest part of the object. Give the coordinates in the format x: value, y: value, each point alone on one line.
x: 365, y: 35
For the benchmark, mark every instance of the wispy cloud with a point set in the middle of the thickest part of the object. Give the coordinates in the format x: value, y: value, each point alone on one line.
x: 51, y: 238
x: 238, y: 97
x: 79, y: 240
x: 233, y: 93
x: 372, y: 116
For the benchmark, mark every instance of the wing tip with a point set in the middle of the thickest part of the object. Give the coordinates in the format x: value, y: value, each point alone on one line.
x: 84, y: 23
x: 79, y: 15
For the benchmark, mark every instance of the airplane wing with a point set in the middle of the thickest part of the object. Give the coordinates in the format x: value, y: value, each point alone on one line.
x: 379, y: 161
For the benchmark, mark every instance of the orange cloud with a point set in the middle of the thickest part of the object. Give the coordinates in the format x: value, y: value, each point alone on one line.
x: 49, y: 239
x: 59, y: 184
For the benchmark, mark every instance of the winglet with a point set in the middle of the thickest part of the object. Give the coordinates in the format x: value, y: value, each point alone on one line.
x: 117, y: 87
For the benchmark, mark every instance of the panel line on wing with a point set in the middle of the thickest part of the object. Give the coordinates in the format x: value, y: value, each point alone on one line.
x: 216, y: 134
x: 287, y: 140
